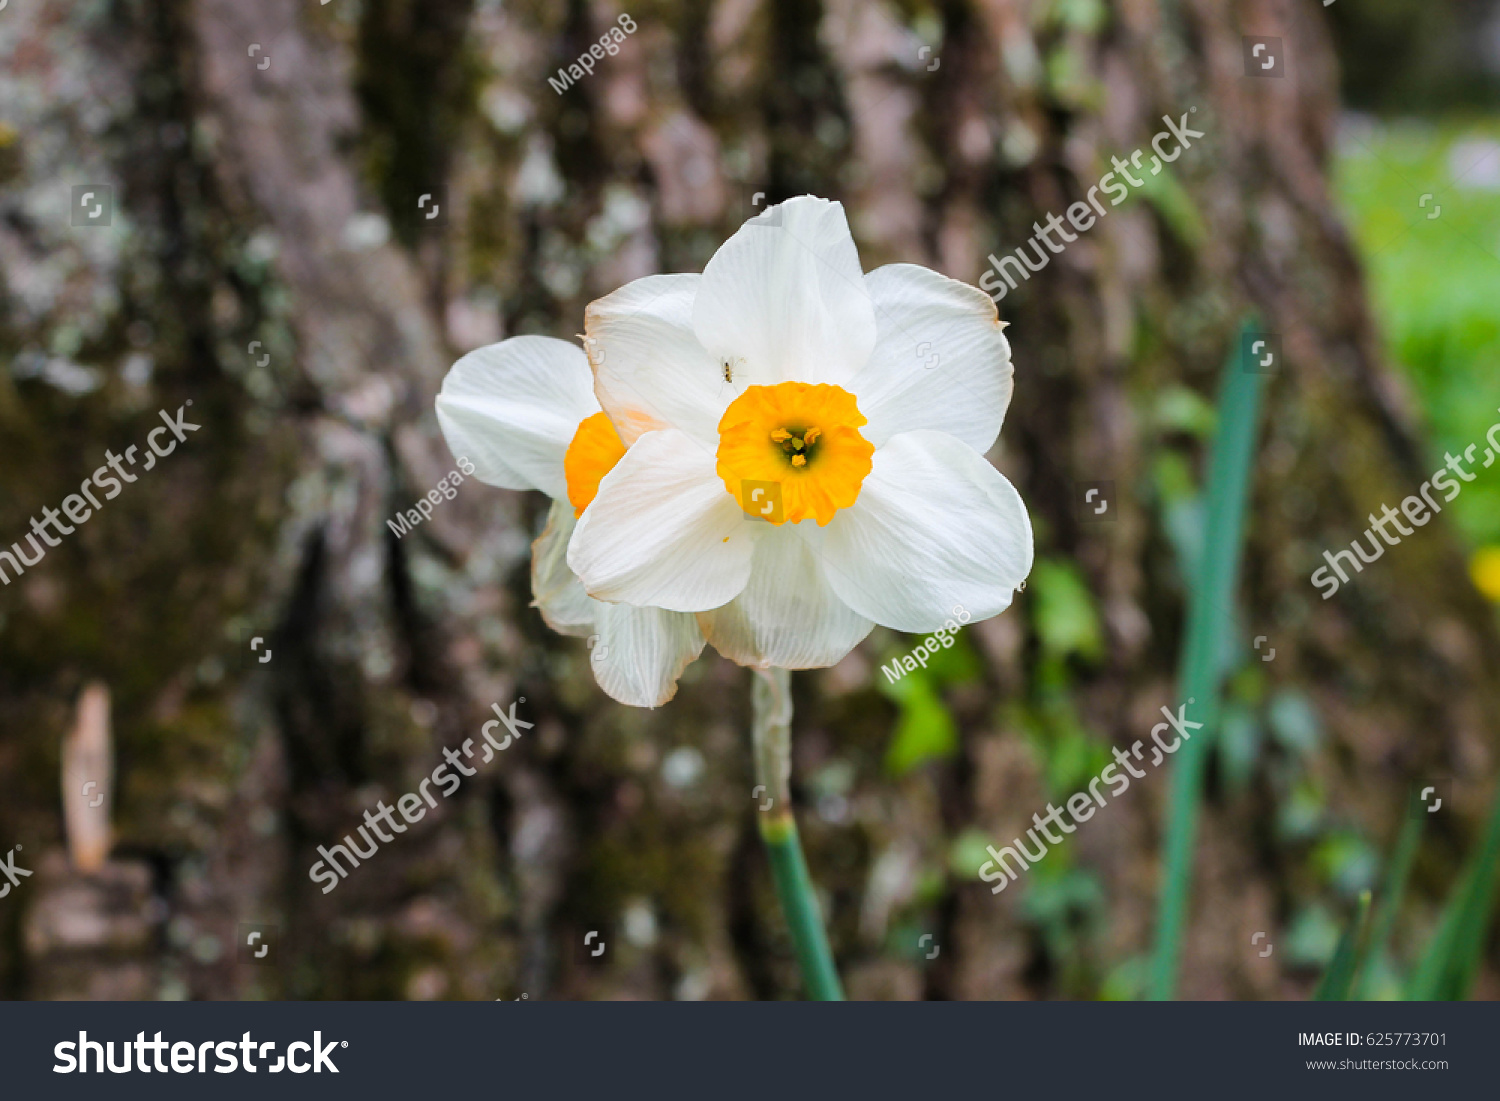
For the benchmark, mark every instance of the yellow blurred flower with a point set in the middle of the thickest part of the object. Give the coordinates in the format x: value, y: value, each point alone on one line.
x: 1485, y: 569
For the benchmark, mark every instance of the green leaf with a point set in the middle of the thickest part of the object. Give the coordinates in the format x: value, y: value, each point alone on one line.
x: 925, y: 731
x: 1128, y: 981
x: 1347, y: 861
x: 1392, y: 890
x: 956, y: 664
x: 1172, y: 478
x: 1239, y: 748
x: 1088, y: 16
x: 1199, y: 680
x: 1452, y: 960
x: 1069, y: 77
x: 1175, y: 206
x: 1300, y: 815
x: 1179, y: 409
x: 1295, y: 723
x: 968, y: 853
x: 1063, y: 611
x: 1068, y: 754
x: 1338, y: 980
x: 1312, y: 937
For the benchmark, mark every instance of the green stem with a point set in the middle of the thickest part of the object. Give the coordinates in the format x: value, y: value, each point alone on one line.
x: 771, y: 729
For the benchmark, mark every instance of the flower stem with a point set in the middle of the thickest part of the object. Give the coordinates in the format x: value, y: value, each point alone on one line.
x: 771, y: 729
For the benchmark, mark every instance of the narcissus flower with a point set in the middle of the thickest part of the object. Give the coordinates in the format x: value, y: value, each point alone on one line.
x: 805, y: 446
x: 524, y: 413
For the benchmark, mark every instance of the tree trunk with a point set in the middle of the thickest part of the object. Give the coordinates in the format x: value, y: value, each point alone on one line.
x: 285, y: 204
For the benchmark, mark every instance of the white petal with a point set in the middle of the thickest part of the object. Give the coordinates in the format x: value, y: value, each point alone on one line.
x: 650, y: 372
x: 788, y: 615
x: 663, y: 530
x: 512, y: 409
x: 936, y: 528
x: 640, y: 652
x: 940, y: 360
x: 555, y: 589
x: 788, y: 302
x: 636, y: 654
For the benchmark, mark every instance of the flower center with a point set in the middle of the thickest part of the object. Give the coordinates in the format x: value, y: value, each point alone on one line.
x: 595, y: 449
x: 801, y: 439
x: 797, y: 442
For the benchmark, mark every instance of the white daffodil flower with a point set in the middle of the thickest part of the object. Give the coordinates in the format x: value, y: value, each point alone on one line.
x: 849, y: 413
x: 525, y: 414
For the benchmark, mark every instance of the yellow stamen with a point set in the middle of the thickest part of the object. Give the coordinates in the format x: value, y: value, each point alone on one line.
x: 799, y: 460
x: 781, y: 435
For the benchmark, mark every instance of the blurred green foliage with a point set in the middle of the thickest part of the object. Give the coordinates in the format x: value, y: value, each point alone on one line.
x: 1338, y: 980
x: 1067, y: 909
x: 924, y: 729
x: 1435, y: 280
x: 1455, y: 953
x: 1063, y: 612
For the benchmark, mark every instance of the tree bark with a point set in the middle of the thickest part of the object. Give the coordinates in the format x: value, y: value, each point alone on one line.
x: 284, y: 205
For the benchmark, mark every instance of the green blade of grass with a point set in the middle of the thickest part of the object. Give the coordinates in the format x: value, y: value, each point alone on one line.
x: 1200, y: 673
x: 1452, y: 960
x: 1338, y: 980
x: 1392, y: 891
